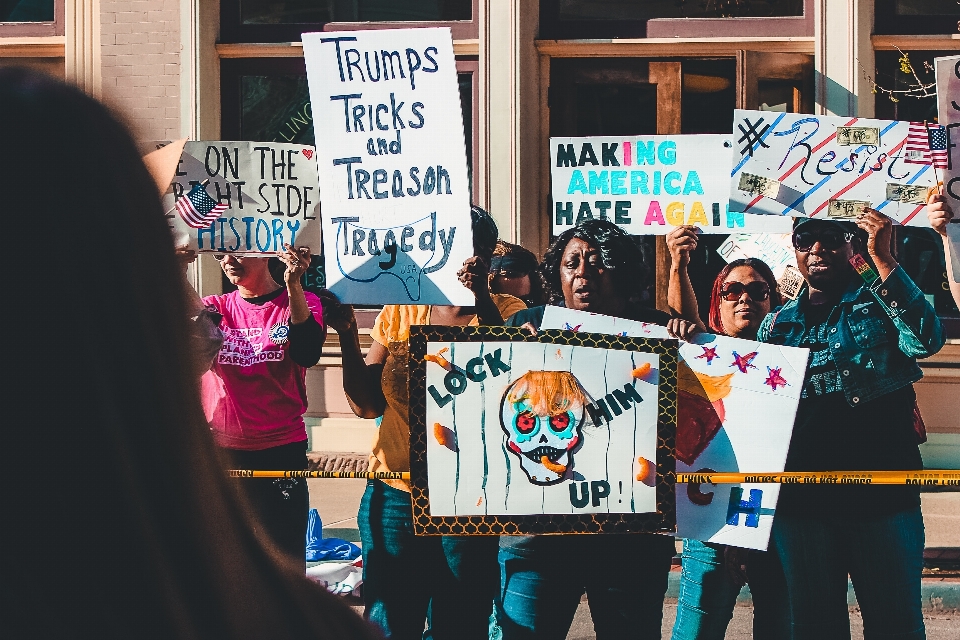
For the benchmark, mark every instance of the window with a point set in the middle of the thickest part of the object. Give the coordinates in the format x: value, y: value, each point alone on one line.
x: 904, y: 17
x: 26, y: 10
x: 567, y: 19
x: 31, y: 18
x: 285, y: 20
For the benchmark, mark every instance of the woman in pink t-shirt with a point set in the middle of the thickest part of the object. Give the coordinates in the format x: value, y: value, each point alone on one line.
x: 255, y: 394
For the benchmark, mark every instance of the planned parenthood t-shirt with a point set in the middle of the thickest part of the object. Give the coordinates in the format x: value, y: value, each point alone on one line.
x: 255, y: 395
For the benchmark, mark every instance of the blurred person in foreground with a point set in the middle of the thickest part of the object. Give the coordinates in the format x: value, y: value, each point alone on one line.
x: 865, y: 323
x: 743, y: 293
x: 137, y: 535
x: 516, y: 271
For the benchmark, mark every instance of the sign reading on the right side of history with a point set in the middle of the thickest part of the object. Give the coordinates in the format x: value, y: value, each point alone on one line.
x: 392, y: 165
x: 789, y: 164
x: 948, y: 106
x: 648, y: 184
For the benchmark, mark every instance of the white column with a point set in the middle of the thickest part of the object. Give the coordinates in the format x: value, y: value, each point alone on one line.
x: 82, y: 45
x: 509, y: 137
x: 844, y: 57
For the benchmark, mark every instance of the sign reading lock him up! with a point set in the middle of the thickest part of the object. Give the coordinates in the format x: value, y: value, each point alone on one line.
x: 392, y: 163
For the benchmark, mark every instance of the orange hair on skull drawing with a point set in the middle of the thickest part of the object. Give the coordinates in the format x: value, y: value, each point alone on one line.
x: 548, y: 392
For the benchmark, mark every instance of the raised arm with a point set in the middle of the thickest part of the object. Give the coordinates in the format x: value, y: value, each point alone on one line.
x: 361, y: 378
x: 680, y: 296
x: 475, y: 275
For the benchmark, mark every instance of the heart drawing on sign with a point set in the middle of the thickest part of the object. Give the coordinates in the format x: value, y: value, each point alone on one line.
x: 308, y: 153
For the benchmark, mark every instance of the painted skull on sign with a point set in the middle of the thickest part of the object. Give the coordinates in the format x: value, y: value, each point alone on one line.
x: 542, y: 414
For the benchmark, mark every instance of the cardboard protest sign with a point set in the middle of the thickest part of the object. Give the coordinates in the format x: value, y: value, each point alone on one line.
x: 392, y: 161
x: 520, y: 434
x: 789, y: 164
x: 776, y: 249
x: 648, y: 184
x: 737, y: 401
x: 267, y: 192
x: 948, y: 112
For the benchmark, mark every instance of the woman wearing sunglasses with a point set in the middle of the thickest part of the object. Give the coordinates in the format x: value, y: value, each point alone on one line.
x: 865, y: 323
x: 255, y: 394
x: 743, y: 294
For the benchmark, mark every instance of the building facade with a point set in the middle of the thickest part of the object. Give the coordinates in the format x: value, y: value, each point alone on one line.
x: 528, y: 70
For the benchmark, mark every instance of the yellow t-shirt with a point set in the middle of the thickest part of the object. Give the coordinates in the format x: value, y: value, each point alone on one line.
x: 391, y: 444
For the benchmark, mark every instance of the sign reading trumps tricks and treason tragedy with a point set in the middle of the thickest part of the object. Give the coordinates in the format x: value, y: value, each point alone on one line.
x: 247, y: 198
x: 556, y: 433
x: 948, y: 111
x: 736, y: 403
x: 648, y: 184
x: 392, y: 163
x: 798, y: 165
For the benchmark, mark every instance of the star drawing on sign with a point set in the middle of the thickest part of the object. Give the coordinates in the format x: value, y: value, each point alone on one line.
x: 743, y: 362
x: 774, y: 378
x: 709, y: 353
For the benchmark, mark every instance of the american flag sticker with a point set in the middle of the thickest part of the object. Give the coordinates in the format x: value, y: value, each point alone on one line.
x: 197, y: 208
x: 927, y: 144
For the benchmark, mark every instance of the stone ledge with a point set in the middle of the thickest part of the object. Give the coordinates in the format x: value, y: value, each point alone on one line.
x: 337, y: 461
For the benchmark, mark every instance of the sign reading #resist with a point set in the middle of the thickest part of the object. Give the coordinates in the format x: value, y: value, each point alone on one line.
x: 392, y: 163
x: 269, y: 190
x: 648, y: 185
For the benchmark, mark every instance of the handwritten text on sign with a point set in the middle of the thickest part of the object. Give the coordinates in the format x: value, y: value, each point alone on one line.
x: 269, y: 188
x: 789, y: 164
x: 392, y: 162
x: 648, y: 185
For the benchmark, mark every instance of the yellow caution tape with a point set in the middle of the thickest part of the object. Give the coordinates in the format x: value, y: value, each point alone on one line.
x: 368, y: 475
x: 927, y: 478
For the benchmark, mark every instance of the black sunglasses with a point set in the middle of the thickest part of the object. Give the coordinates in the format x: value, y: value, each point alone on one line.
x: 830, y: 240
x: 758, y: 291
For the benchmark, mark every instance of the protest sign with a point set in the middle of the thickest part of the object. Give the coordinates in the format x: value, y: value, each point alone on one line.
x: 776, y: 249
x: 519, y: 434
x: 648, y: 184
x: 789, y: 164
x: 392, y: 162
x: 737, y: 400
x: 948, y: 111
x: 267, y: 190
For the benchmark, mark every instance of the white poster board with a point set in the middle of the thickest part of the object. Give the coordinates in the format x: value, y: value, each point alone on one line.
x: 590, y: 463
x: 392, y: 162
x: 789, y: 164
x: 948, y: 111
x: 776, y: 249
x: 648, y: 184
x: 270, y: 189
x: 737, y: 402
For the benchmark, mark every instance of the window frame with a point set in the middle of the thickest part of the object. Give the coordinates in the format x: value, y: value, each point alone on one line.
x: 551, y: 27
x: 37, y: 29
x: 232, y: 30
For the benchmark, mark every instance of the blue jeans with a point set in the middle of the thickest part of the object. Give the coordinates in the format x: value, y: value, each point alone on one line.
x: 884, y: 557
x: 403, y: 574
x: 543, y: 577
x: 708, y: 595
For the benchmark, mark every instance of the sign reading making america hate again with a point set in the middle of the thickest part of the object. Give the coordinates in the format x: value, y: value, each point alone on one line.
x: 649, y: 184
x: 392, y: 164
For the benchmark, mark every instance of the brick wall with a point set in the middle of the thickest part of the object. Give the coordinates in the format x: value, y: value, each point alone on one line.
x: 140, y: 55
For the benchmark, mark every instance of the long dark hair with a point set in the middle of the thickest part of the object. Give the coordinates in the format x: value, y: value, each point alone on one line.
x: 135, y: 533
x: 761, y: 267
x: 619, y: 253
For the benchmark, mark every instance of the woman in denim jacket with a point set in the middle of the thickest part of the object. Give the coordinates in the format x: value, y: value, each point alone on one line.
x: 865, y: 329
